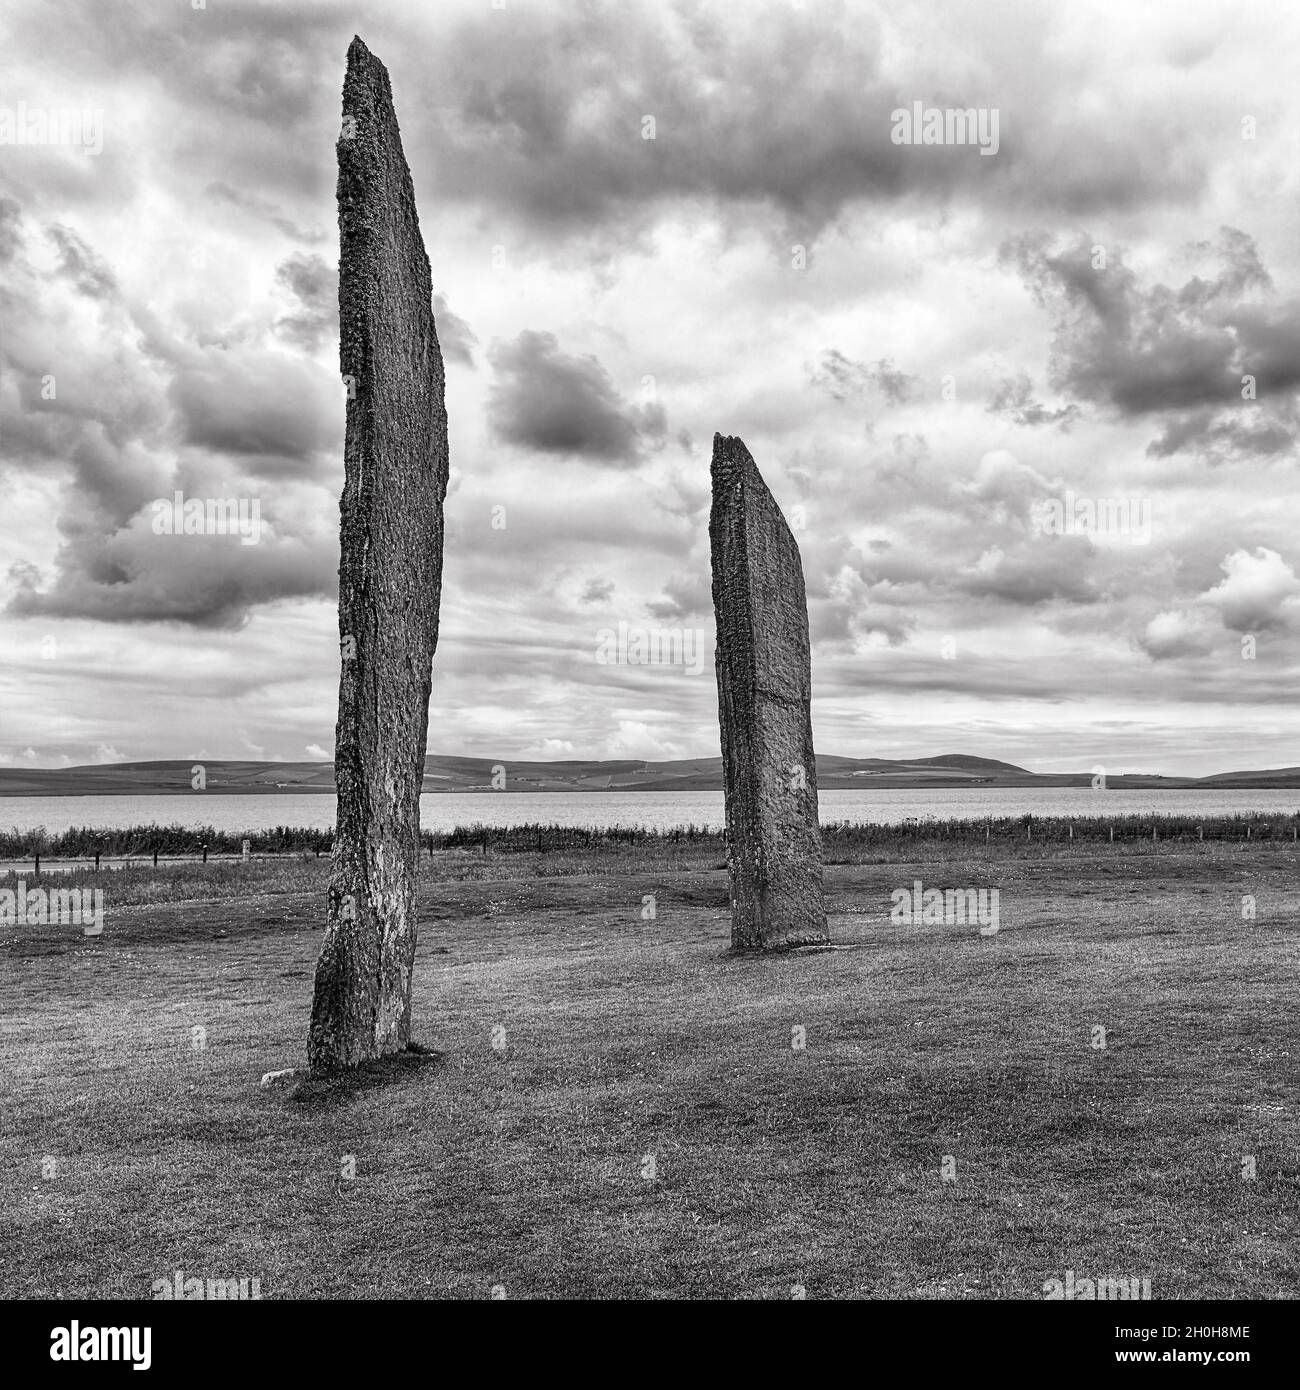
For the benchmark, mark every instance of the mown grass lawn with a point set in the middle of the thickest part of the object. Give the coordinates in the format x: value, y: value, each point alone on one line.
x: 643, y: 1126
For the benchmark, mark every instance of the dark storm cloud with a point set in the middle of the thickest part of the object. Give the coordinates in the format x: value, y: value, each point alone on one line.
x: 540, y: 112
x: 133, y: 403
x: 1219, y: 437
x: 1138, y: 353
x: 1270, y: 345
x: 544, y: 113
x: 257, y: 404
x: 1146, y: 351
x: 547, y: 400
x: 202, y: 581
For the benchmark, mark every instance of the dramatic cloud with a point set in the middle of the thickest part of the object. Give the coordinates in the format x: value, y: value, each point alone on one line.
x: 650, y: 221
x: 546, y: 400
x: 1201, y: 354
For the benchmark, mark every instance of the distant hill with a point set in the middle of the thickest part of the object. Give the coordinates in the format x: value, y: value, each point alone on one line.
x: 446, y: 773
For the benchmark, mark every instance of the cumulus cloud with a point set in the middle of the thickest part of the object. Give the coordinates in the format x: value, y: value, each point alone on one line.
x: 1177, y: 633
x: 1259, y: 592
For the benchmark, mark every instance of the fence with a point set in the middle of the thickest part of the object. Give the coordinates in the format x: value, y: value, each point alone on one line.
x: 838, y: 837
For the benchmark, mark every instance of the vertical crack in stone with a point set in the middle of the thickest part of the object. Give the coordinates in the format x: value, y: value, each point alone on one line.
x: 774, y: 853
x: 390, y: 578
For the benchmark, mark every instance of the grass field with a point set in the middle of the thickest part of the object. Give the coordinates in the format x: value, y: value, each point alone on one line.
x: 134, y: 1146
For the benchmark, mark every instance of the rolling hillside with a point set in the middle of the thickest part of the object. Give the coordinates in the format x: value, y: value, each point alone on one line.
x: 446, y: 773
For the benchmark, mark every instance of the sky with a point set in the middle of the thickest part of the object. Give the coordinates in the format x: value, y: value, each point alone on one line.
x: 1029, y: 404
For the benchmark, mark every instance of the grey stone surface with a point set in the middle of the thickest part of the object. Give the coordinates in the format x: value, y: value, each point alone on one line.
x: 774, y: 852
x: 390, y: 578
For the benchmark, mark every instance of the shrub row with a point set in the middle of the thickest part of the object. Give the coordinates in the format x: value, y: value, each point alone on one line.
x: 838, y: 836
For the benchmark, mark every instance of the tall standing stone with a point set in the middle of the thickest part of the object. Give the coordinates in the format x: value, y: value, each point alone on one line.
x: 390, y: 578
x: 774, y: 851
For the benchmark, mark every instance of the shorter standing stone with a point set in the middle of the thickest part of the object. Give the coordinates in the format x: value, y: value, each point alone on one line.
x: 774, y: 851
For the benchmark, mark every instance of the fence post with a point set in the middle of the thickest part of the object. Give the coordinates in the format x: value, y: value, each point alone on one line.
x: 205, y: 854
x: 96, y: 861
x: 1112, y: 834
x: 38, y: 865
x: 1200, y: 832
x: 155, y: 859
x: 248, y: 844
